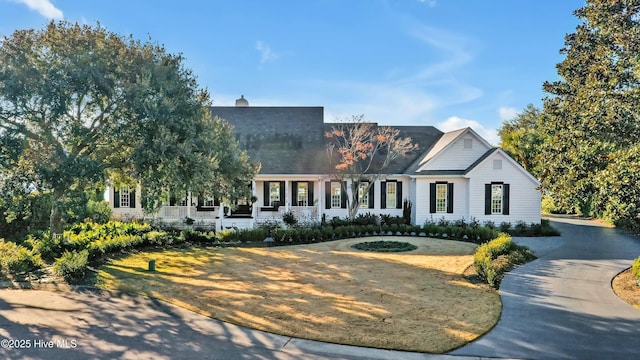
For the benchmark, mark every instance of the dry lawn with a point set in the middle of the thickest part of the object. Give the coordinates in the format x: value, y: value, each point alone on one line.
x: 626, y: 287
x: 416, y: 301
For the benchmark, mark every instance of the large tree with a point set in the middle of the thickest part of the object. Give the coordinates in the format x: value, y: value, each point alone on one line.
x: 592, y: 110
x: 362, y: 153
x: 82, y: 103
x: 521, y: 137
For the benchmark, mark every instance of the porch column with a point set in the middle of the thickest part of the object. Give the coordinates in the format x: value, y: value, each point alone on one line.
x: 254, y: 193
x: 287, y: 195
x: 189, y: 204
x: 320, y: 195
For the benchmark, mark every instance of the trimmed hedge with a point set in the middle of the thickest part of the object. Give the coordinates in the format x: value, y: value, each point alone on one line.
x: 384, y: 246
x: 493, y: 259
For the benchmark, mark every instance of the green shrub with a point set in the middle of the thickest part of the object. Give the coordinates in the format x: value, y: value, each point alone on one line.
x: 157, y: 238
x: 493, y: 259
x: 635, y: 268
x: 289, y: 218
x: 194, y: 236
x: 49, y: 248
x: 505, y: 226
x: 17, y: 258
x: 99, y: 211
x: 72, y: 265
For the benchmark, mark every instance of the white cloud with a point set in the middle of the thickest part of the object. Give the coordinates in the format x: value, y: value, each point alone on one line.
x: 455, y: 47
x: 507, y: 113
x: 455, y: 123
x: 266, y: 54
x: 430, y: 3
x: 44, y: 7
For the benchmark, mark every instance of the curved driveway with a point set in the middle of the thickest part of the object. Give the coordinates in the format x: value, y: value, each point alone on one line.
x: 560, y: 306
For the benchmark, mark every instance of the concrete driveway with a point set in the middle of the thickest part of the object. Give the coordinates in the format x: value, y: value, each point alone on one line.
x: 561, y: 306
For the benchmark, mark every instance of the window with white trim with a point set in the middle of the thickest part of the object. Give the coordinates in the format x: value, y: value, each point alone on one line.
x: 363, y: 194
x: 274, y: 193
x: 392, y: 189
x: 303, y: 194
x: 125, y: 197
x: 496, y: 198
x: 336, y: 194
x: 441, y: 197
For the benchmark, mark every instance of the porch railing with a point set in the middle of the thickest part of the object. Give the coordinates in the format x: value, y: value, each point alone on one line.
x: 180, y: 212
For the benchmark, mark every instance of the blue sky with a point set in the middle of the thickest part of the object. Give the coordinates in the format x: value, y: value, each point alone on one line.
x: 447, y: 63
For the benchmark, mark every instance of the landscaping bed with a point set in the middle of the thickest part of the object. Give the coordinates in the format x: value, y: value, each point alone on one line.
x: 626, y: 287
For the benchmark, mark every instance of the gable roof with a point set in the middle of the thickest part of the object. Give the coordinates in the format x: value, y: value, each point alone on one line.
x: 499, y: 151
x: 440, y: 147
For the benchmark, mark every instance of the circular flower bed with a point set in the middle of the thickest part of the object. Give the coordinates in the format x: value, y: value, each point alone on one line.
x: 384, y: 246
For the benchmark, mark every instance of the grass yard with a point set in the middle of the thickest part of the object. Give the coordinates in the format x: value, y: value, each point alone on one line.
x: 416, y: 301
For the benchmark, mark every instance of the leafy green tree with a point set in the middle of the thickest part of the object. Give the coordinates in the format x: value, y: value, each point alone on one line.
x: 82, y: 104
x: 592, y: 111
x: 618, y: 199
x: 362, y: 153
x: 521, y: 137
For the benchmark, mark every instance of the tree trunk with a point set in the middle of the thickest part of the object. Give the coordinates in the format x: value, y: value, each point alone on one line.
x: 353, y: 204
x: 55, y: 219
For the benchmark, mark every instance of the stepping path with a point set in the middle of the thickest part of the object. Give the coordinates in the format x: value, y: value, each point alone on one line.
x: 562, y: 306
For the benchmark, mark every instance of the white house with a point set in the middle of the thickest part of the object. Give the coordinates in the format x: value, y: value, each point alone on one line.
x: 453, y: 175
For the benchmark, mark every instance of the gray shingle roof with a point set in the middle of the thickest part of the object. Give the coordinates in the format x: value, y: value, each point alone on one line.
x: 290, y: 140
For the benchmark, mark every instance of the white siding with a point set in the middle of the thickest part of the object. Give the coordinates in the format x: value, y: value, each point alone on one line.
x: 126, y: 213
x: 460, y: 199
x: 455, y: 156
x: 377, y: 198
x: 524, y: 198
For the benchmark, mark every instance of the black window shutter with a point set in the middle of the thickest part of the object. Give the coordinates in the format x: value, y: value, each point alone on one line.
x: 294, y: 193
x: 200, y: 201
x: 282, y: 202
x: 371, y: 196
x: 267, y: 198
x: 310, y: 195
x: 432, y: 198
x: 343, y: 195
x: 132, y: 199
x: 116, y: 198
x: 383, y: 195
x: 327, y: 195
x: 487, y: 199
x: 399, y: 195
x: 505, y: 199
x: 450, y: 198
x: 216, y: 202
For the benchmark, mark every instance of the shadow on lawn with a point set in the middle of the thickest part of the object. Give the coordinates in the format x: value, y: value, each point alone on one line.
x: 338, y: 296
